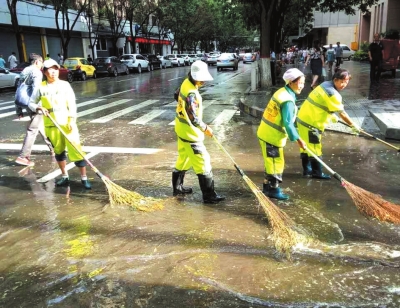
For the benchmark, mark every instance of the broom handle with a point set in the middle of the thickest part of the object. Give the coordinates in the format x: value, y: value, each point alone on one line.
x: 334, y: 174
x: 230, y: 157
x: 99, y: 174
x: 372, y: 136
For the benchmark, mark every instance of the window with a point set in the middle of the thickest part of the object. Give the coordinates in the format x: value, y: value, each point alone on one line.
x: 101, y: 44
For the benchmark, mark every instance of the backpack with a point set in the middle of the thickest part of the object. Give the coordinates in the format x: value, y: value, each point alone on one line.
x: 24, y: 93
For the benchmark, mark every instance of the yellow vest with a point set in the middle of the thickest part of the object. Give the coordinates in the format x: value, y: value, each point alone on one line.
x: 55, y: 99
x: 319, y: 105
x: 271, y: 129
x: 183, y: 126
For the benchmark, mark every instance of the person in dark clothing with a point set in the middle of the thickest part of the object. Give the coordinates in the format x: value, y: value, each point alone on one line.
x: 90, y: 59
x: 375, y: 53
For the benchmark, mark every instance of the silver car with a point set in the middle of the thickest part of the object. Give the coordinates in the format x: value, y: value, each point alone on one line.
x: 8, y: 79
x: 165, y: 62
x: 175, y: 60
x: 135, y: 62
x: 227, y: 60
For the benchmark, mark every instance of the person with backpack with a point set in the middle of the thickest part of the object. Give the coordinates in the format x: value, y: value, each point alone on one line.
x: 32, y: 76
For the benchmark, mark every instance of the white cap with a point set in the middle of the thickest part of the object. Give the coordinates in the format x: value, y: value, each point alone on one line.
x: 50, y: 63
x: 199, y: 71
x: 292, y: 74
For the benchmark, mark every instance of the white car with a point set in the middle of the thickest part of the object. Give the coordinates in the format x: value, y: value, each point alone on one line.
x: 347, y: 52
x: 185, y: 57
x: 227, y: 60
x: 192, y: 58
x: 175, y: 60
x: 135, y: 62
x: 165, y: 62
x: 8, y: 79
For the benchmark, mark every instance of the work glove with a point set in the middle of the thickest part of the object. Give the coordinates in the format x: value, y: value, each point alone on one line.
x: 355, y: 129
x: 334, y: 118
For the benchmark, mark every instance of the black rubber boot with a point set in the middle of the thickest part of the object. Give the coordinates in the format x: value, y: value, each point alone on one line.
x: 305, y: 162
x: 207, y: 187
x: 317, y: 170
x: 177, y: 182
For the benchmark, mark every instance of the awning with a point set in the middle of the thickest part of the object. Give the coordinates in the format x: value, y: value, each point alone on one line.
x: 149, y: 41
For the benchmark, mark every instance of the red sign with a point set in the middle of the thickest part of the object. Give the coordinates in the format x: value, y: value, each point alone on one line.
x: 149, y: 41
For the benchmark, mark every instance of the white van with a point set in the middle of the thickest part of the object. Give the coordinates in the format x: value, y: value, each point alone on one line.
x: 347, y: 52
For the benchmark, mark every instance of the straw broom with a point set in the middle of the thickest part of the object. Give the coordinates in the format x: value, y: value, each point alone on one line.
x: 283, y: 227
x: 369, y: 204
x: 117, y: 194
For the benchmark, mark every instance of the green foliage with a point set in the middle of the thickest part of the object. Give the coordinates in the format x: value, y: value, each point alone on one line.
x: 392, y: 34
x: 364, y: 46
x: 360, y: 55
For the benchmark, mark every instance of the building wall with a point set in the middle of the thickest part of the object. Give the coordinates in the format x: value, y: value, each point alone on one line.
x: 344, y: 35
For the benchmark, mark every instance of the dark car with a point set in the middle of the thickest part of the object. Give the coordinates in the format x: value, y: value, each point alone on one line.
x: 154, y: 62
x: 110, y: 65
x: 65, y: 74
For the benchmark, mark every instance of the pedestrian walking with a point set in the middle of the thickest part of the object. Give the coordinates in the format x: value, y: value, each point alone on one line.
x: 55, y: 97
x: 60, y: 59
x: 2, y: 62
x: 32, y: 75
x: 12, y: 61
x: 317, y: 111
x: 330, y: 55
x: 338, y: 55
x: 375, y: 54
x: 89, y: 59
x: 277, y: 125
x: 190, y: 130
x: 316, y: 59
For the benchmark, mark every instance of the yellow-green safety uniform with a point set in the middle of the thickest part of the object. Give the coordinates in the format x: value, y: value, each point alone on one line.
x: 59, y: 99
x: 191, y: 149
x: 272, y: 133
x: 316, y: 113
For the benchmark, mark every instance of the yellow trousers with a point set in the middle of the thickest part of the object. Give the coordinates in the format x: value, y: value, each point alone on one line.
x: 193, y: 155
x: 274, y: 161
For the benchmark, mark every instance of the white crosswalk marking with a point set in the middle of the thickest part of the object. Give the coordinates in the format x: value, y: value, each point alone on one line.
x: 172, y: 104
x: 5, y: 103
x: 95, y: 109
x: 206, y: 103
x: 7, y: 114
x: 147, y: 117
x: 7, y: 107
x: 124, y: 111
x: 223, y: 117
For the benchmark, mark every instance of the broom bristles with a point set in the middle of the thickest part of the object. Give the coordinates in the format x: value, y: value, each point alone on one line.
x: 284, y: 235
x: 122, y: 196
x: 373, y: 205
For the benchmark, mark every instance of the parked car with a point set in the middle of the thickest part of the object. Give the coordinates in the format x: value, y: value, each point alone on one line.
x: 153, y: 60
x: 347, y: 52
x: 8, y: 79
x: 111, y: 66
x: 175, y: 60
x: 65, y: 74
x: 165, y: 61
x: 80, y: 68
x: 136, y: 62
x: 188, y: 59
x: 185, y: 58
x: 227, y: 60
x: 212, y: 59
x: 192, y: 58
x: 248, y: 57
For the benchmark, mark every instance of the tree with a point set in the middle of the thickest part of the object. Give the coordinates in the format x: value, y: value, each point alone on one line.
x: 63, y: 11
x: 12, y: 7
x: 272, y: 14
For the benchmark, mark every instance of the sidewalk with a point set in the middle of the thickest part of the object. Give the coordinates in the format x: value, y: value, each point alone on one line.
x: 375, y: 108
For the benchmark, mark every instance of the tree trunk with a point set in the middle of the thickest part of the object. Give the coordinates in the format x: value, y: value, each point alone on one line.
x: 12, y: 7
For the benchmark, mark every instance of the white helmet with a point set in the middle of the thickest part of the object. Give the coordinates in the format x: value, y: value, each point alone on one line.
x: 199, y: 71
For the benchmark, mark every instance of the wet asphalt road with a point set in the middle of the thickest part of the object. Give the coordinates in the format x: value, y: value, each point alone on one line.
x: 58, y: 249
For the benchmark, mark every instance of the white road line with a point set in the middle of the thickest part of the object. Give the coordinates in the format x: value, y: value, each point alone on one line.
x: 9, y: 102
x: 130, y: 90
x: 88, y: 149
x: 7, y: 114
x: 147, y: 117
x: 123, y: 111
x: 206, y: 104
x: 176, y: 78
x: 7, y: 107
x: 224, y: 117
x: 57, y: 172
x: 173, y: 104
x: 95, y: 109
x: 93, y: 101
